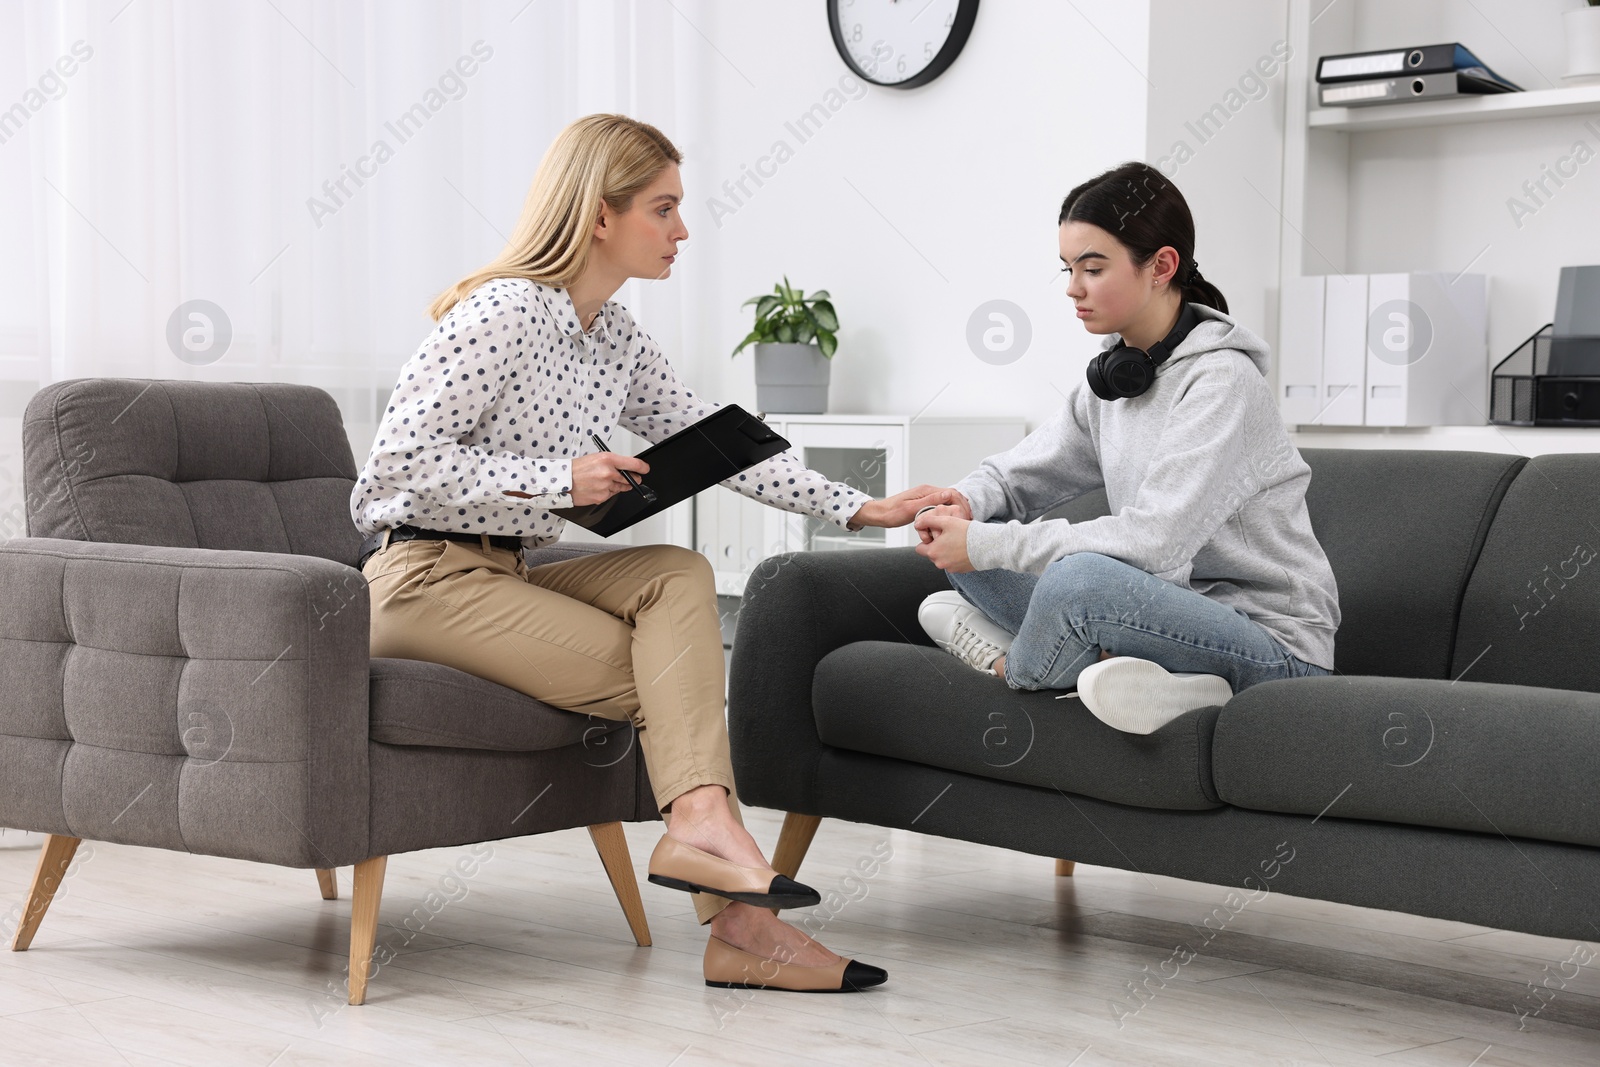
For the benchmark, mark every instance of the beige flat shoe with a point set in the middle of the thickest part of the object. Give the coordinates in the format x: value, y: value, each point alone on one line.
x: 680, y: 866
x: 734, y: 968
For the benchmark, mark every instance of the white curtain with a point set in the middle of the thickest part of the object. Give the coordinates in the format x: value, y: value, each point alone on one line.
x: 316, y: 170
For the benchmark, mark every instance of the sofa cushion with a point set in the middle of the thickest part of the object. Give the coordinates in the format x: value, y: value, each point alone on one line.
x: 916, y: 703
x: 1531, y: 614
x: 1402, y: 529
x: 413, y: 702
x: 1497, y: 759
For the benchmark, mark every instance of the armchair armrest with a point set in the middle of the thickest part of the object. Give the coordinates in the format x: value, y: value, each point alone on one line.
x: 797, y: 608
x: 192, y: 699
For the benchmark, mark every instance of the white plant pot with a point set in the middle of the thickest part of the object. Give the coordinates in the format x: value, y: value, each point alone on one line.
x: 1582, y: 27
x: 791, y: 379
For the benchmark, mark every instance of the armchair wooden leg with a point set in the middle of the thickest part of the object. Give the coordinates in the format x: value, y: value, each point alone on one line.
x: 612, y: 845
x: 328, y: 881
x: 1064, y: 868
x: 54, y: 857
x: 366, y: 895
x: 793, y: 842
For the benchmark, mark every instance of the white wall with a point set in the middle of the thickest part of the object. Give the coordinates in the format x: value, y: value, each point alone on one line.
x: 1202, y: 55
x: 912, y: 207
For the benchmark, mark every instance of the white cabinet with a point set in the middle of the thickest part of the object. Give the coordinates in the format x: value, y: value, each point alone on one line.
x: 878, y: 454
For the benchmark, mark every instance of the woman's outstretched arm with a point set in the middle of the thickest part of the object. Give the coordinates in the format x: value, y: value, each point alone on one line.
x: 659, y: 404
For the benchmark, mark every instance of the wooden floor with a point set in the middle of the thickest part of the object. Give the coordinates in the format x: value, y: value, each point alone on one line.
x: 153, y: 957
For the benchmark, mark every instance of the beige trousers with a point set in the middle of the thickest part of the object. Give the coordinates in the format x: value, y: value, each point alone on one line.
x: 630, y: 633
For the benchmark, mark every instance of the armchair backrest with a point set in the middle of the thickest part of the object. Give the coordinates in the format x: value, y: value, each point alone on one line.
x: 251, y: 466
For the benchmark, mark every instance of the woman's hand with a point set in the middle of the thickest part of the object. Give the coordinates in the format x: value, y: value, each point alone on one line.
x: 899, y: 509
x: 945, y: 543
x: 595, y: 477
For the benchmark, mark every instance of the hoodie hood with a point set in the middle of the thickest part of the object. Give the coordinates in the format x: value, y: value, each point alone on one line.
x: 1216, y: 330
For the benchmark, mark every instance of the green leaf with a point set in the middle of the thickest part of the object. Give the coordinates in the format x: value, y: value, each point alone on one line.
x: 766, y: 305
x: 820, y: 294
x: 827, y: 343
x: 825, y: 315
x: 804, y: 332
x: 752, y: 337
x: 785, y: 332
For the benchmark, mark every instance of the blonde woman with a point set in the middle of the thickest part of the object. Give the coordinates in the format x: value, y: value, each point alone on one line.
x: 489, y: 428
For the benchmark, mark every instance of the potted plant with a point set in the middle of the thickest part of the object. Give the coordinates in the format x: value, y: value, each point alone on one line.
x: 795, y: 337
x: 1583, y: 43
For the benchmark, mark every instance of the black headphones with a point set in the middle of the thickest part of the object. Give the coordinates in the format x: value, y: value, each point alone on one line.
x: 1122, y: 371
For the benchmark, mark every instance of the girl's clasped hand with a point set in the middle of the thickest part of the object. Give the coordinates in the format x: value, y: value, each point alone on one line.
x: 942, y: 530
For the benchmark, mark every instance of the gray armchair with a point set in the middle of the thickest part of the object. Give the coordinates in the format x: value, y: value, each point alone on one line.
x: 185, y: 656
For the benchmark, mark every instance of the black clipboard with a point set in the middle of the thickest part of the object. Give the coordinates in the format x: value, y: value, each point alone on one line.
x: 722, y: 444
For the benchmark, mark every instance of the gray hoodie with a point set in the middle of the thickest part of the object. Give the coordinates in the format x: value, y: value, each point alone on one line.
x: 1205, y: 489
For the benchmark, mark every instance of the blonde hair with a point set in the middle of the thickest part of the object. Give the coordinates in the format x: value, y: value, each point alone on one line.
x: 598, y: 157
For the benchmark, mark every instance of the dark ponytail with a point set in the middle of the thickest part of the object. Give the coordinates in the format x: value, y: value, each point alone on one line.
x: 1140, y: 207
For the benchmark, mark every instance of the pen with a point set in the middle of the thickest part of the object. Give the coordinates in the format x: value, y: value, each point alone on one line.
x: 645, y: 491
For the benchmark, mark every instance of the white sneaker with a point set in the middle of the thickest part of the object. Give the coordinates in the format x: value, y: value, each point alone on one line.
x: 963, y: 631
x: 1137, y: 696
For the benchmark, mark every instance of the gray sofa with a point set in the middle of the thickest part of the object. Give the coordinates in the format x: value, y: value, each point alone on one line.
x: 184, y: 653
x: 1448, y: 768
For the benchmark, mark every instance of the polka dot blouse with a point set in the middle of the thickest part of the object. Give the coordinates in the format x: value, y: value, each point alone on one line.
x: 502, y: 396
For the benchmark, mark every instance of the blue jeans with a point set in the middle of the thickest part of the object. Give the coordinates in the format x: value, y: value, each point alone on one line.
x: 1087, y: 602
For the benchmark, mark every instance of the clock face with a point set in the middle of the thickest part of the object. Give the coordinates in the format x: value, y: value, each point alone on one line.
x: 900, y: 43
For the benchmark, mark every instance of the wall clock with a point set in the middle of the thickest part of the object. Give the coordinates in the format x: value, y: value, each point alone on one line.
x: 900, y: 44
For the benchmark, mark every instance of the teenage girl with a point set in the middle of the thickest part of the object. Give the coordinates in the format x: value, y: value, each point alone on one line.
x: 1206, y: 577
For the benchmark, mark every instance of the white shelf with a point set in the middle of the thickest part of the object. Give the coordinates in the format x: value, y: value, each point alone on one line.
x: 1538, y: 103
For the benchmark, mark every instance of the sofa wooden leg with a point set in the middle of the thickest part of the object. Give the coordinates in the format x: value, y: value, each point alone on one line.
x: 54, y: 858
x: 365, y: 897
x: 793, y: 842
x: 612, y: 844
x: 1064, y: 868
x: 328, y: 882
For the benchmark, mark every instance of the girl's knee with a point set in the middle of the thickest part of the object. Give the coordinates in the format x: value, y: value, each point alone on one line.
x: 1087, y: 587
x: 1084, y: 563
x: 1083, y: 577
x: 963, y: 581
